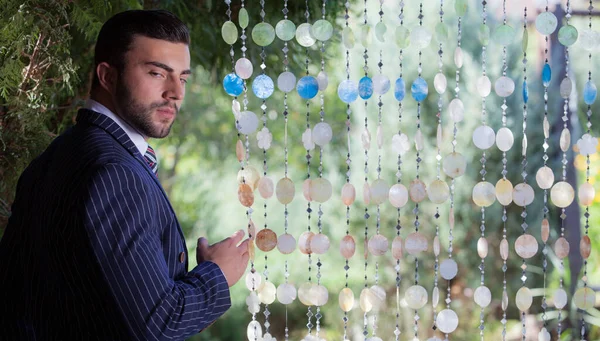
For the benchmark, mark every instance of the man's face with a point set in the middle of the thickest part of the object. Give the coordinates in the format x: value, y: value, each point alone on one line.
x: 151, y: 87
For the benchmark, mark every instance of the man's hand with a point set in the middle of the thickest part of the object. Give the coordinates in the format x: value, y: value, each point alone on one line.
x: 232, y: 259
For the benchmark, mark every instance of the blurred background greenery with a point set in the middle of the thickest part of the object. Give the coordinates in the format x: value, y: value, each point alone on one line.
x: 46, y: 51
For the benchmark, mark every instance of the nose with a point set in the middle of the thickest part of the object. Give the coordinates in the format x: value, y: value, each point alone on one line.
x: 175, y: 90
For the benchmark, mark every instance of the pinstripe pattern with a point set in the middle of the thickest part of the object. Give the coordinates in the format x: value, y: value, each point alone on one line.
x: 92, y: 249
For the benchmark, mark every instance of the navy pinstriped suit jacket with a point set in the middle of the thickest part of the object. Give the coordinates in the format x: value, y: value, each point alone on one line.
x: 93, y: 249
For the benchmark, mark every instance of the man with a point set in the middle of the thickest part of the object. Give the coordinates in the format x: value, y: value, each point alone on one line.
x: 93, y: 249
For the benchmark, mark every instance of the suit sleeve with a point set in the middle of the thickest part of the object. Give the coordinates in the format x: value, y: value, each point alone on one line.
x: 118, y: 217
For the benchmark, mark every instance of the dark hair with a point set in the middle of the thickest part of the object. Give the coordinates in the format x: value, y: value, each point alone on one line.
x: 118, y: 32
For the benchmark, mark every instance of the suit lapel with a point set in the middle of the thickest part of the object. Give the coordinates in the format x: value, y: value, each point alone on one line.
x: 112, y: 128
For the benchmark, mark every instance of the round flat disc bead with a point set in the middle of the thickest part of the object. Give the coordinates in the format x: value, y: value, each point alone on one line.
x: 523, y: 299
x: 416, y: 297
x: 303, y: 35
x: 584, y: 298
x: 546, y: 23
x: 253, y: 281
x: 399, y: 89
x: 243, y: 18
x: 348, y: 37
x: 307, y: 87
x: 526, y: 246
x: 566, y: 87
x: 229, y: 32
x: 304, y: 293
x: 417, y: 190
x: 248, y: 122
x: 504, y: 86
x: 397, y: 248
x: 286, y: 81
x: 402, y: 37
x: 415, y: 243
x: 484, y: 194
x: 419, y: 89
x: 249, y: 176
x: 245, y: 195
x: 286, y: 293
x: 484, y: 86
x: 448, y: 269
x: 420, y: 37
x: 266, y: 240
x: 483, y: 296
x: 323, y: 80
x: 378, y: 245
x: 365, y: 87
x: 447, y: 321
x: 347, y: 247
x: 379, y: 191
x: 381, y: 84
x: 285, y: 30
x: 322, y: 30
x: 589, y: 93
x: 285, y: 191
x: 586, y: 194
x: 562, y: 194
x: 504, y: 192
x: 304, y: 242
x: 438, y: 191
x: 263, y: 34
x: 504, y: 139
x: 504, y: 35
x: 484, y: 137
x: 263, y: 86
x: 267, y: 293
x: 454, y: 165
x: 457, y: 110
x: 233, y: 84
x: 244, y: 68
x: 398, y: 195
x: 561, y: 248
x: 523, y: 194
x: 319, y: 244
x: 440, y: 83
x: 380, y: 30
x: 254, y: 331
x: 286, y: 243
x: 322, y: 134
x: 348, y: 194
x: 347, y: 91
x: 560, y: 298
x: 346, y: 299
x: 589, y: 39
x: 544, y: 335
x: 567, y: 35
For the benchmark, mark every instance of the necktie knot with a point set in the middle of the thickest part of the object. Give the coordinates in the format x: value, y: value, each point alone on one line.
x: 150, y: 158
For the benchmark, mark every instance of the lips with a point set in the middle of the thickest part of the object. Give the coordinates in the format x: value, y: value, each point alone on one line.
x: 166, y: 112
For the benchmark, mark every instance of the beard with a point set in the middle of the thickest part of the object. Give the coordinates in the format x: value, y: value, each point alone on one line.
x: 139, y: 115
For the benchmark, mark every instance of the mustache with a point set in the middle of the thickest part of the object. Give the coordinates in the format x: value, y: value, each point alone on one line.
x: 165, y: 105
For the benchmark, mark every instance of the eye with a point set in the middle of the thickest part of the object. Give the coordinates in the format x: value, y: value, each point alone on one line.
x: 183, y: 81
x: 156, y: 74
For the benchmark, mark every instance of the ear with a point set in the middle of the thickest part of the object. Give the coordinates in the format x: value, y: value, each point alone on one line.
x: 107, y: 76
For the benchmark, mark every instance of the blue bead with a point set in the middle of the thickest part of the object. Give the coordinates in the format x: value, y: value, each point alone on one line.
x: 419, y: 89
x: 546, y: 74
x: 307, y: 87
x: 400, y: 90
x: 233, y: 84
x: 589, y: 93
x: 263, y: 86
x: 525, y: 92
x: 365, y: 88
x: 347, y: 91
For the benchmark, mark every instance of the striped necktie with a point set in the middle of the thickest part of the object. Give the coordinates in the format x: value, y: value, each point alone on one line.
x: 150, y: 158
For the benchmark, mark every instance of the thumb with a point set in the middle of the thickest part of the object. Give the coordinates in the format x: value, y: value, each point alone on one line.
x: 202, y: 243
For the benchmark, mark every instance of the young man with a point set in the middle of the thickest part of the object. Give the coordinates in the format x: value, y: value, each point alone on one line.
x: 93, y: 249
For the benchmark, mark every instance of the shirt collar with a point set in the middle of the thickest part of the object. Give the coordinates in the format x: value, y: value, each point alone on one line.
x: 133, y: 134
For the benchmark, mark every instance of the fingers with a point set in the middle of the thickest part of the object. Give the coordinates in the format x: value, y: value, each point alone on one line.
x: 243, y: 247
x: 237, y: 237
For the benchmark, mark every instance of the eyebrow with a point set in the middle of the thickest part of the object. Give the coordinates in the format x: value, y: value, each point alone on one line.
x: 168, y: 68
